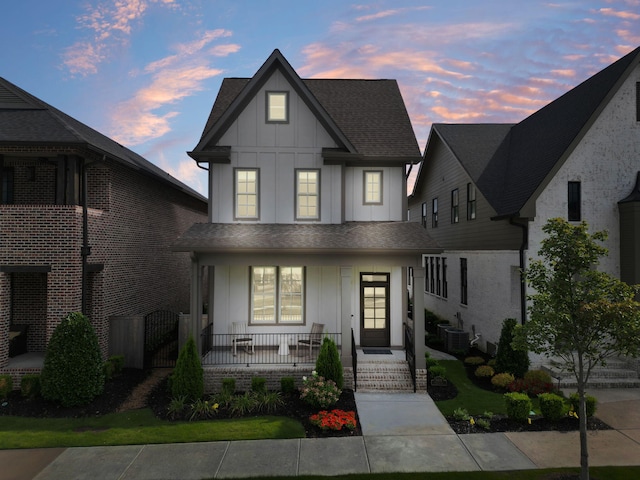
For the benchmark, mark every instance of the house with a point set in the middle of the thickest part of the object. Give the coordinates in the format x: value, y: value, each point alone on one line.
x: 307, y: 219
x: 86, y: 226
x: 484, y: 192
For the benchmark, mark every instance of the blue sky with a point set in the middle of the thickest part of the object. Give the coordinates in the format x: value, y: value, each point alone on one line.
x: 146, y: 72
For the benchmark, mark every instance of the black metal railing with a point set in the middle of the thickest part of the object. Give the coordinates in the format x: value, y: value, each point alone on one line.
x: 206, y: 339
x: 354, y: 361
x: 265, y: 348
x: 410, y: 353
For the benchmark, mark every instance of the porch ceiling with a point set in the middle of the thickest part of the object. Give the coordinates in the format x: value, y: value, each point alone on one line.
x: 360, y: 238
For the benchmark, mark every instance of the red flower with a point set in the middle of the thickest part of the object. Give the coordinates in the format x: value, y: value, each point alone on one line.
x: 334, y: 420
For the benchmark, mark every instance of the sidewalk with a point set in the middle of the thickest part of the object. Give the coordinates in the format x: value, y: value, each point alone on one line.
x: 401, y: 433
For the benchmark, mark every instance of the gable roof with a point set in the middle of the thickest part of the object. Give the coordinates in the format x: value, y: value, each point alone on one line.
x: 366, y: 118
x: 510, y: 173
x: 27, y: 120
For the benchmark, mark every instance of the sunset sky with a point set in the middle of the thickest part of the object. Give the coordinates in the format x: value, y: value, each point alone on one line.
x: 146, y: 72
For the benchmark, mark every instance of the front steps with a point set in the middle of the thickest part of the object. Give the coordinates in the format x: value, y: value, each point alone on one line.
x: 618, y: 373
x: 390, y: 375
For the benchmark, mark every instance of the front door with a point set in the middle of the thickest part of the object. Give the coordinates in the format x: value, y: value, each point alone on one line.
x: 374, y: 310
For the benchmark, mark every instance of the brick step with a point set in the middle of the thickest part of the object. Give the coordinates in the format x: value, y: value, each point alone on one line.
x: 389, y: 376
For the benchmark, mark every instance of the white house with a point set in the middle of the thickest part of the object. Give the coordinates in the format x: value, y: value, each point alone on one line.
x: 307, y: 216
x: 484, y: 192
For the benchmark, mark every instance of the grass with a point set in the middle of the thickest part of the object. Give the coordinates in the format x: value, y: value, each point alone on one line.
x: 608, y: 473
x: 475, y: 400
x: 137, y: 427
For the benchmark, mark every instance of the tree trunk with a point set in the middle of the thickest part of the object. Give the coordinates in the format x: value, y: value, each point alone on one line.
x: 584, y: 451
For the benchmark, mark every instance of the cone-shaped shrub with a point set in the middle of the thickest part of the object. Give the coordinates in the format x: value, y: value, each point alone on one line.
x: 187, y: 379
x: 328, y: 364
x: 72, y: 373
x: 508, y: 360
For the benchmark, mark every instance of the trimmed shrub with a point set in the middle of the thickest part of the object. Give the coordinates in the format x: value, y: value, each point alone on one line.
x: 288, y: 385
x: 472, y: 361
x: 538, y: 376
x: 118, y: 363
x: 551, y: 406
x: 229, y: 386
x: 328, y: 364
x: 461, y: 414
x: 108, y: 369
x: 502, y: 380
x: 484, y: 371
x: 591, y: 404
x: 532, y: 388
x: 30, y: 386
x: 438, y: 371
x: 6, y: 385
x: 509, y: 360
x: 258, y: 384
x: 187, y: 378
x: 72, y: 374
x: 492, y: 363
x: 518, y: 406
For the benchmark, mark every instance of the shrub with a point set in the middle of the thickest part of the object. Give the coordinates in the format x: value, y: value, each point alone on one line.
x: 328, y: 363
x: 483, y: 423
x: 492, y: 363
x: 287, y: 385
x: 591, y: 404
x: 229, y: 385
x: 551, y: 406
x: 502, y: 380
x: 6, y: 385
x: 318, y: 392
x: 472, y: 361
x: 484, y: 371
x: 258, y: 384
x: 72, y: 374
x: 269, y: 402
x: 509, y: 360
x: 431, y: 362
x: 518, y: 406
x: 203, y: 409
x: 118, y: 363
x: 532, y: 388
x: 537, y: 376
x: 461, y: 414
x: 30, y: 386
x: 108, y: 370
x: 187, y: 378
x: 243, y: 404
x: 438, y: 371
x: 176, y: 407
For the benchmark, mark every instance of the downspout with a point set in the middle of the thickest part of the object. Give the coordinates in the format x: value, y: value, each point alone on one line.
x: 523, y: 247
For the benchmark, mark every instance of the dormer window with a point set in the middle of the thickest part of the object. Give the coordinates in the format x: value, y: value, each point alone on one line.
x: 277, y: 107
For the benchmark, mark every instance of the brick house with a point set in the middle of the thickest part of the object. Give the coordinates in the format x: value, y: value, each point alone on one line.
x: 86, y: 225
x: 307, y: 221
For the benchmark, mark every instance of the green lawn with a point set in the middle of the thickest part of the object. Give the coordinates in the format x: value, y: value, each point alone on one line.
x: 137, y: 427
x: 475, y: 400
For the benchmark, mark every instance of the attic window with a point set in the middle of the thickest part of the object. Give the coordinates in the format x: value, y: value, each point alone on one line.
x: 277, y: 107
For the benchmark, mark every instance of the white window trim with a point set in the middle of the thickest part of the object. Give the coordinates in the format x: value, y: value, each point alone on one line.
x: 278, y: 297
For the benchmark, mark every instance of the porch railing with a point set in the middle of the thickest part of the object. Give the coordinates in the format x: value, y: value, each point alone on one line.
x: 206, y: 338
x: 354, y: 361
x: 410, y: 353
x: 262, y: 348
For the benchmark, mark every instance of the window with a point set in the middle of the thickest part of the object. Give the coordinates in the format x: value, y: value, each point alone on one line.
x: 574, y: 214
x: 438, y: 284
x: 307, y: 194
x: 277, y: 295
x: 7, y: 186
x: 423, y: 217
x: 454, y: 206
x: 434, y: 213
x: 463, y: 281
x: 445, y: 289
x: 471, y: 201
x: 373, y: 187
x: 435, y: 278
x: 246, y: 185
x: 277, y: 107
x: 432, y: 278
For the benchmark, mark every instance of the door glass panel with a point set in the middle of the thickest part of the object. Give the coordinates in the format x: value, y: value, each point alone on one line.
x: 374, y: 278
x: 375, y: 310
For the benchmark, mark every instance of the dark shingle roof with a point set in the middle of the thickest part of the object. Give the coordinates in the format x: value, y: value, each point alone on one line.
x: 508, y: 162
x: 351, y: 237
x: 28, y: 120
x: 366, y: 117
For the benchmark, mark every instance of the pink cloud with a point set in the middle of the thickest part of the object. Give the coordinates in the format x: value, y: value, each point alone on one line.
x: 619, y: 14
x: 564, y: 72
x: 82, y: 58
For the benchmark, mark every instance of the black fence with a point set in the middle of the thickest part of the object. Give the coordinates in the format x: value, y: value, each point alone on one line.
x: 262, y: 348
x: 161, y: 339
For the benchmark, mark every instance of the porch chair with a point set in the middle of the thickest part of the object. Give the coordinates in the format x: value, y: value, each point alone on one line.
x: 313, y: 340
x: 242, y: 338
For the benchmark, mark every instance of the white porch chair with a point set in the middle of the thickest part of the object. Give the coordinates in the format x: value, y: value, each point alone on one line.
x: 313, y: 340
x: 240, y: 337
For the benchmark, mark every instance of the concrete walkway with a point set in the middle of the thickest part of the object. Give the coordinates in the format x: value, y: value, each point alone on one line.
x: 401, y: 433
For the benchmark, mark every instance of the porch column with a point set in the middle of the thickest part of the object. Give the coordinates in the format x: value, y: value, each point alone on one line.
x: 345, y: 313
x: 195, y: 309
x: 418, y: 318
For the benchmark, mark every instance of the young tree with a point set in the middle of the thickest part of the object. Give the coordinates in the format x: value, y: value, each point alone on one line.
x: 578, y: 314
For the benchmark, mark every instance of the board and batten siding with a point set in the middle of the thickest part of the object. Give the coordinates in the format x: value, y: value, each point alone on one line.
x: 391, y: 207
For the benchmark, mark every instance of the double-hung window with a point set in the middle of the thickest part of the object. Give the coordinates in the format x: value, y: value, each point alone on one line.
x: 373, y: 187
x: 471, y: 201
x: 434, y: 212
x: 277, y: 107
x: 455, y: 212
x: 574, y: 213
x: 423, y: 217
x: 246, y: 193
x: 277, y: 295
x: 307, y: 194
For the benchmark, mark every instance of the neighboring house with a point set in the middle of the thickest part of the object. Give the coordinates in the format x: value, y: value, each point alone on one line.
x: 85, y: 225
x: 484, y: 192
x: 307, y: 212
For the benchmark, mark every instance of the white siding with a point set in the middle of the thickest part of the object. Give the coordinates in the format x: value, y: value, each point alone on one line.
x: 392, y: 195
